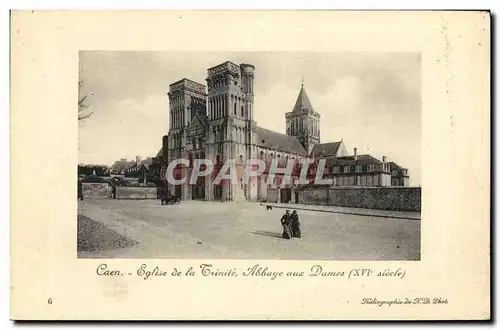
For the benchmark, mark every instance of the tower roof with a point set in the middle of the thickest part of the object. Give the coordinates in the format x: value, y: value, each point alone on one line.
x: 302, y: 101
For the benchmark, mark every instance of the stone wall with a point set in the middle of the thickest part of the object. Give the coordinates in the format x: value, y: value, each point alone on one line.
x: 316, y: 196
x: 95, y: 190
x: 136, y: 193
x: 382, y: 198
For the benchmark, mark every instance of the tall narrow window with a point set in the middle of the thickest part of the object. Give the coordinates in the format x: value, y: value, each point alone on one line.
x: 242, y: 115
x: 235, y: 107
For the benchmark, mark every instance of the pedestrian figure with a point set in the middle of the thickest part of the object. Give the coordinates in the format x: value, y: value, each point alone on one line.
x: 295, y: 224
x: 285, y: 222
x: 80, y: 190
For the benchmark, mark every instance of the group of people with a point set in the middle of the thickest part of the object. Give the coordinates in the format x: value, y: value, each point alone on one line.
x: 291, y: 225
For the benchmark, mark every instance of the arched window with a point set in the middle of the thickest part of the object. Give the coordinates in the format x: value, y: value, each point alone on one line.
x: 235, y: 107
x: 242, y: 114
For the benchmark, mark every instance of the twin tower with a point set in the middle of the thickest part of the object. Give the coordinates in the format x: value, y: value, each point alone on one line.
x: 217, y: 122
x: 201, y: 121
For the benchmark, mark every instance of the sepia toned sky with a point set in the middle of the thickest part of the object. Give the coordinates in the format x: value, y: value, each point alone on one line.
x: 371, y: 100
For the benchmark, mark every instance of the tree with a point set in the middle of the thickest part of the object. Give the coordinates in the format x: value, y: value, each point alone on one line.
x: 82, y: 105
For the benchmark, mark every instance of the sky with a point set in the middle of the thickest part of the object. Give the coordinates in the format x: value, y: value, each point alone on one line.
x: 370, y: 100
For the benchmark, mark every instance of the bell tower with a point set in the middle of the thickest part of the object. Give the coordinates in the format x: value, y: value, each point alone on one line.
x: 232, y: 131
x: 304, y: 122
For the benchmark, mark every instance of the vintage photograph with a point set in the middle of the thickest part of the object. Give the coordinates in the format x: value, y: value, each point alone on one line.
x: 222, y: 158
x: 249, y: 155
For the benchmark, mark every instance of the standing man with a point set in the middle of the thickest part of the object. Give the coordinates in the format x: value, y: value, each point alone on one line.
x: 80, y: 190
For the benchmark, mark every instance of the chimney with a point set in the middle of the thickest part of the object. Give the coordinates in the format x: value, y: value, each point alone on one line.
x: 384, y: 159
x: 123, y: 159
x: 137, y: 159
x: 355, y: 153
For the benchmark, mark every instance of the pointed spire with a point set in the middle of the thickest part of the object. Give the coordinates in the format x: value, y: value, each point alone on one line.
x: 302, y: 100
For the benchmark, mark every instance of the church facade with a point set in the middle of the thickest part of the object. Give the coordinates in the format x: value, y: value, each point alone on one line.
x: 216, y: 121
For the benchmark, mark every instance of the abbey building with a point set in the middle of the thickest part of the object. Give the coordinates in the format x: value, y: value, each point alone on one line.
x: 217, y: 122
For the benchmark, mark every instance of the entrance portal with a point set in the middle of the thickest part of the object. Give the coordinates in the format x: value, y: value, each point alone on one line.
x: 198, y: 191
x: 217, y: 192
x: 286, y: 195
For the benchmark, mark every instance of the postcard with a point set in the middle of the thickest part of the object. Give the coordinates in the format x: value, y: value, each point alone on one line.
x: 250, y: 165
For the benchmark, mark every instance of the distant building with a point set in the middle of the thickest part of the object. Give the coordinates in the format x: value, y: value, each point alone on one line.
x: 399, y: 175
x: 120, y: 166
x: 141, y: 171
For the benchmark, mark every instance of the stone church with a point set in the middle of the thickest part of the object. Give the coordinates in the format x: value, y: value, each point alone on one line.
x: 217, y: 122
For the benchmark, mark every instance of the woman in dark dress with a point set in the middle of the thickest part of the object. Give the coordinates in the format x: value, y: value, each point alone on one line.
x: 285, y: 222
x: 295, y: 224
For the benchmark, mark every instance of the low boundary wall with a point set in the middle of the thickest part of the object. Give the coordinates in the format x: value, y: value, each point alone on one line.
x: 382, y: 198
x: 136, y: 193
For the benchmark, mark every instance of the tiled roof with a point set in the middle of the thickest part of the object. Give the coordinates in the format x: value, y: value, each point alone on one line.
x: 302, y: 101
x: 160, y: 153
x: 400, y: 171
x: 349, y: 160
x: 273, y: 140
x: 395, y: 166
x: 326, y: 149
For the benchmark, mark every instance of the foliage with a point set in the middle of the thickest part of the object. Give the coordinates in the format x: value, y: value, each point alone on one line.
x: 82, y: 105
